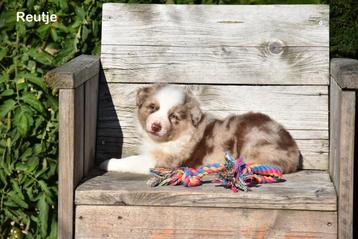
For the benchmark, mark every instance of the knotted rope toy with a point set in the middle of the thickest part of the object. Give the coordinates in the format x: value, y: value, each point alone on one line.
x: 233, y: 174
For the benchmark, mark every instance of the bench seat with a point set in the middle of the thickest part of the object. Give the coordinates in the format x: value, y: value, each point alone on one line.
x: 119, y: 205
x: 304, y: 190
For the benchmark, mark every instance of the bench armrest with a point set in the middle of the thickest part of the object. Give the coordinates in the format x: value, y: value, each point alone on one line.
x: 345, y: 72
x: 74, y: 73
x: 77, y: 82
x: 343, y: 87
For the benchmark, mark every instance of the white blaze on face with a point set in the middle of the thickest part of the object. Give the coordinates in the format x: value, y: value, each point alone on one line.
x: 168, y: 97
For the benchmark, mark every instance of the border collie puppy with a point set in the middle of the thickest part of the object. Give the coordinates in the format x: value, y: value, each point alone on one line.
x: 176, y: 132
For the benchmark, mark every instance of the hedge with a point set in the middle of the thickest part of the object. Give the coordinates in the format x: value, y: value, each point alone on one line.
x: 29, y: 109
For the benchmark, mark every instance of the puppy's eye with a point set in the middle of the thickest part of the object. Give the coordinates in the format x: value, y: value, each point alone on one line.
x: 152, y: 107
x: 173, y: 116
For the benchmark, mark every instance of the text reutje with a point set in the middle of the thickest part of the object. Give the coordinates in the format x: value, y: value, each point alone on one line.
x: 43, y: 17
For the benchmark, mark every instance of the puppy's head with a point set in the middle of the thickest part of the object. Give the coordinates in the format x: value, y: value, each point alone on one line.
x: 166, y: 111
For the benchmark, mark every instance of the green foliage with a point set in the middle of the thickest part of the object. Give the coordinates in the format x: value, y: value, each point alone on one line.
x: 29, y: 109
x: 343, y: 28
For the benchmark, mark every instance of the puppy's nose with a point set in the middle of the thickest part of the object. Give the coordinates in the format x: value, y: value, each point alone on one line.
x: 156, y: 127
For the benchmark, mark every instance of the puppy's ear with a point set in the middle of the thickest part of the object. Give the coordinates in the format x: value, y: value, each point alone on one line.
x: 142, y: 94
x: 196, y: 115
x: 195, y: 112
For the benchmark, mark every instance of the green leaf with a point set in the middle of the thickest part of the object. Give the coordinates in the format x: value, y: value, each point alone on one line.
x: 29, y: 193
x: 68, y: 51
x: 28, y: 166
x: 43, y: 169
x: 7, y: 92
x: 60, y: 26
x: 8, y: 19
x: 95, y: 27
x: 54, y: 35
x: 85, y: 33
x: 3, y: 52
x: 63, y: 4
x: 31, y: 66
x: 30, y: 4
x: 16, y: 188
x: 4, y: 77
x: 41, y: 57
x: 31, y: 100
x: 20, y: 28
x: 80, y: 12
x: 35, y: 80
x: 44, y: 187
x: 22, y: 121
x: 52, y: 170
x: 43, y: 31
x: 25, y: 155
x: 6, y: 107
x: 43, y: 214
x: 38, y: 148
x: 15, y: 198
x: 3, y: 177
x: 53, y: 230
x: 10, y: 203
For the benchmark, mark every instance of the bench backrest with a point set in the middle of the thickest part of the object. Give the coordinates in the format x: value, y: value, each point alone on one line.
x: 237, y: 58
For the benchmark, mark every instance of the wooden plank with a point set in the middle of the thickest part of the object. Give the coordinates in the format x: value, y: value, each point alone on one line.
x: 346, y: 168
x: 345, y: 72
x: 296, y: 107
x: 74, y: 73
x: 79, y: 110
x: 216, y: 65
x: 66, y: 163
x: 184, y: 222
x: 90, y: 127
x: 71, y: 155
x: 303, y: 110
x: 304, y: 190
x: 216, y: 44
x: 213, y: 25
x: 314, y: 152
x: 335, y: 132
x: 299, y: 134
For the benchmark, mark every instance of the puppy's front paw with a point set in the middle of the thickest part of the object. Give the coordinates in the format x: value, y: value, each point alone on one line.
x: 107, y: 165
x: 132, y: 164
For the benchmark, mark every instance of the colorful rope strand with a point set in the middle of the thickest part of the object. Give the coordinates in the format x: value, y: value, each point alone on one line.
x: 234, y: 174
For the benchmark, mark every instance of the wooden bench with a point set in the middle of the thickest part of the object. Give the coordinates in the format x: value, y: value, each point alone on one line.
x: 273, y: 59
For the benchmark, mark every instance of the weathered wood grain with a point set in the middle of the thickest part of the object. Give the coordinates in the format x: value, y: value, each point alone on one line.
x: 90, y: 126
x: 212, y: 25
x: 345, y: 72
x: 304, y: 190
x: 216, y: 44
x: 185, y: 222
x: 303, y: 110
x: 70, y: 78
x: 297, y: 107
x: 66, y: 170
x: 314, y: 152
x: 79, y: 131
x: 346, y: 167
x: 218, y: 65
x: 335, y: 132
x: 74, y: 73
